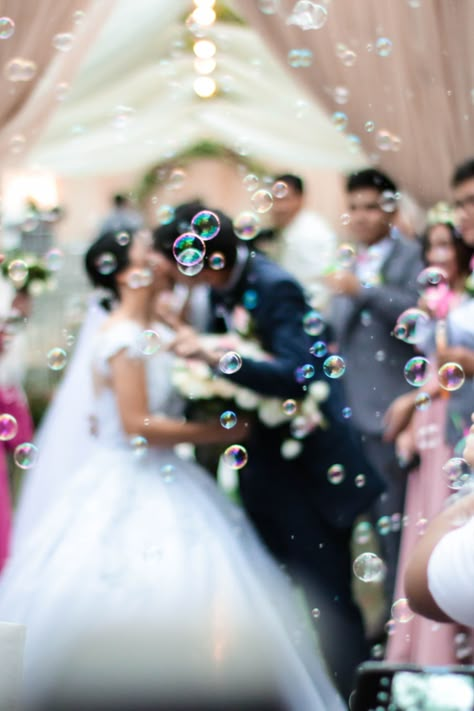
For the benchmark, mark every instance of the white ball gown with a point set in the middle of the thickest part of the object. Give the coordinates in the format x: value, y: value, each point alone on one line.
x: 150, y: 538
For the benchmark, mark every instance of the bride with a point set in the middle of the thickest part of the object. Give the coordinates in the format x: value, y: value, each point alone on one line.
x: 137, y: 535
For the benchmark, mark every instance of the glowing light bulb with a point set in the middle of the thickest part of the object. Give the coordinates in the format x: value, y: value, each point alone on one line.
x: 204, y: 66
x: 204, y: 49
x: 205, y: 87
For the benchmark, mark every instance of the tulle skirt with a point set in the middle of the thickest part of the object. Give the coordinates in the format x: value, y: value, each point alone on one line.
x: 151, y: 540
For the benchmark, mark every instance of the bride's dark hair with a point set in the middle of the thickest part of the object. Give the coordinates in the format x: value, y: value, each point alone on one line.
x: 107, y: 257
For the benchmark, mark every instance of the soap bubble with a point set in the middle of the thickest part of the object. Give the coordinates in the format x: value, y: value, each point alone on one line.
x: 250, y: 299
x: 165, y: 214
x: 230, y: 363
x: 25, y: 455
x: 341, y: 95
x: 339, y: 120
x: 54, y: 259
x: 383, y: 47
x: 289, y: 407
x: 347, y: 413
x: 369, y: 568
x: 313, y: 323
x: 189, y: 249
x: 451, y: 376
x: 388, y: 201
x: 7, y: 28
x: 401, y: 611
x: 63, y: 41
x: 262, y: 200
x: 369, y: 126
x: 250, y: 182
x: 19, y: 69
x: 280, y: 189
x: 149, y: 342
x: 8, y: 427
x: 384, y: 525
x: 315, y: 613
x: 362, y: 533
x: 235, y: 456
x: 139, y: 445
x: 336, y: 474
x: 383, y: 140
x: 308, y: 15
x: 206, y: 224
x: 268, y: 7
x: 246, y: 225
x: 122, y: 238
x: 319, y: 349
x: 360, y: 480
x: 422, y: 401
x: 411, y: 326
x: 216, y: 261
x: 345, y: 255
x: 334, y: 366
x: 431, y: 277
x: 228, y: 419
x: 457, y: 472
x: 57, y: 359
x: 417, y: 371
x: 299, y: 58
x: 106, y: 263
x: 18, y: 271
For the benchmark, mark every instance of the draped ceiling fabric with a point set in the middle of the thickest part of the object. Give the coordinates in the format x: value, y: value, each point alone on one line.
x: 27, y: 105
x: 132, y: 103
x: 423, y: 92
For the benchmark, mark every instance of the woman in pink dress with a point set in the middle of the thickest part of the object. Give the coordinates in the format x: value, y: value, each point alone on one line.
x: 439, y: 421
x: 16, y: 425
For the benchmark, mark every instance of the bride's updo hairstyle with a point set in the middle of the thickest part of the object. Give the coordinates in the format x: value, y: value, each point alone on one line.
x: 107, y: 257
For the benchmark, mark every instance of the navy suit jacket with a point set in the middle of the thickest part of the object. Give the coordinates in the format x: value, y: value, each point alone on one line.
x: 277, y: 314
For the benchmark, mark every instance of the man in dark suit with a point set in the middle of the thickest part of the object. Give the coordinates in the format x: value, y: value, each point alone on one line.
x: 304, y: 519
x: 369, y: 296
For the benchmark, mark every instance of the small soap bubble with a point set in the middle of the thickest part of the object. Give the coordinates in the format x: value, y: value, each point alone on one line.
x: 315, y: 613
x: 390, y: 627
x: 401, y: 611
x: 383, y: 47
x: 384, y: 525
x: 7, y: 28
x: 106, y: 263
x: 308, y: 15
x: 122, y: 238
x: 341, y: 95
x: 168, y: 472
x: 348, y: 58
x: 307, y: 371
x: 206, y: 224
x: 139, y: 445
x: 396, y: 520
x: 189, y: 249
x: 62, y: 91
x: 289, y: 407
x: 300, y: 58
x: 360, y: 480
x: 57, y: 359
x: 347, y: 413
x: 63, y: 41
x: 377, y: 651
x: 417, y: 371
x: 345, y: 219
x: 25, y: 455
x: 457, y: 472
x: 165, y: 214
x: 8, y: 427
x: 246, y: 225
x: 176, y: 179
x: 54, y: 260
x: 216, y: 261
x: 268, y: 7
x: 140, y: 278
x: 362, y: 533
x: 451, y: 376
x: 369, y: 568
x: 339, y: 120
x: 262, y: 200
x: 149, y: 342
x: 18, y: 271
x: 228, y: 419
x: 336, y: 474
x: 431, y: 278
x: 250, y: 182
x: 313, y: 323
x: 421, y: 525
x: 192, y: 269
x: 383, y: 140
x: 235, y: 456
x: 422, y: 401
x: 380, y: 356
x: 230, y: 363
x: 369, y: 126
x: 411, y: 326
x: 388, y: 201
x: 250, y: 299
x: 319, y: 349
x: 19, y: 69
x: 280, y: 189
x: 334, y: 366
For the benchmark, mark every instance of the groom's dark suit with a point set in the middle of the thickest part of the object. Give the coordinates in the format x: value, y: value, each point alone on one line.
x: 304, y: 519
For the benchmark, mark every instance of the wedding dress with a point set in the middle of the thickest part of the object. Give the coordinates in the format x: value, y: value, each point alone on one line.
x: 140, y: 534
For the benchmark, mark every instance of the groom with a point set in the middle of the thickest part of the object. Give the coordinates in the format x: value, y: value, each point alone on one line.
x: 304, y: 518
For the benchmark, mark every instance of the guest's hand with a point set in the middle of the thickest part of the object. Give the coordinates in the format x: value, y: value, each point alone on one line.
x: 188, y: 344
x: 344, y: 282
x: 398, y: 416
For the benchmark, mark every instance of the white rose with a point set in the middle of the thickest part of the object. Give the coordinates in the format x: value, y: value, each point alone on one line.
x: 290, y: 449
x: 270, y: 412
x: 319, y: 390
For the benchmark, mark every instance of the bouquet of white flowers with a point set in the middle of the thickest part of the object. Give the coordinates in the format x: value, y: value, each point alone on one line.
x: 196, y: 381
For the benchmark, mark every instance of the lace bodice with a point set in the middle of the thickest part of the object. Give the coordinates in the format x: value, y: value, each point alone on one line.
x: 130, y: 336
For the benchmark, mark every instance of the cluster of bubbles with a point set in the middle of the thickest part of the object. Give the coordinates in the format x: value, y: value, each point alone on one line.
x: 308, y: 15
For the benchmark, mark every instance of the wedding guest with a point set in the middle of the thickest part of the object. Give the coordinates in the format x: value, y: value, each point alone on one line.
x: 369, y: 294
x: 301, y: 241
x: 463, y: 192
x: 440, y: 420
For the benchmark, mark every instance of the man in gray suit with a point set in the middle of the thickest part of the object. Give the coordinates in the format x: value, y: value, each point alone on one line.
x: 369, y: 294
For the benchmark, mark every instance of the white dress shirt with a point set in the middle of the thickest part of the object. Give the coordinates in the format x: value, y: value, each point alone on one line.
x: 451, y: 574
